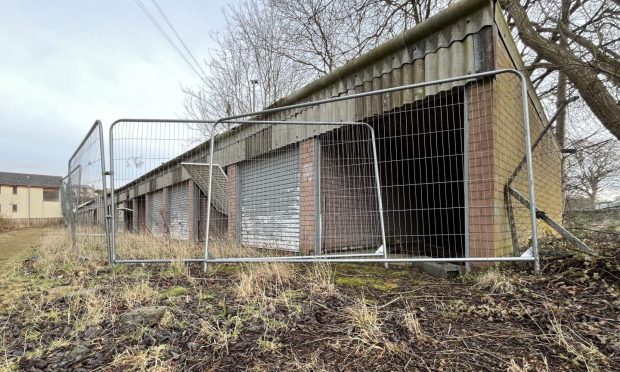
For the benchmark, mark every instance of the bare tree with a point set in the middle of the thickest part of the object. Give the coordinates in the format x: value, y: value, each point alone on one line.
x: 246, y: 51
x: 580, y: 40
x: 283, y: 45
x: 593, y: 169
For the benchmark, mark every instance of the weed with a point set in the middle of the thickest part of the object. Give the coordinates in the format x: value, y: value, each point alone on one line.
x: 175, y: 292
x: 138, y: 294
x: 495, y: 281
x: 322, y: 279
x: 269, y: 345
x: 219, y: 333
x: 366, y: 321
x: 412, y: 324
x: 151, y: 359
x: 263, y: 281
x: 582, y: 350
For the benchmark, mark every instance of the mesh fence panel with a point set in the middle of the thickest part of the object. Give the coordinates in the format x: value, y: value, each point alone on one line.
x: 451, y: 158
x: 264, y: 199
x: 85, y: 193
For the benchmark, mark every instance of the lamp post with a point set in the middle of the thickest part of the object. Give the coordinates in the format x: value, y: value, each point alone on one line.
x: 254, y: 83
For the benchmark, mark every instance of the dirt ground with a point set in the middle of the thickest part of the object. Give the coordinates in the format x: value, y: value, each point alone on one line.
x: 19, y: 241
x: 61, y: 313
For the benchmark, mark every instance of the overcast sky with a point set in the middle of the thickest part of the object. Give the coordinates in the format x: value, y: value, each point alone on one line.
x: 64, y: 64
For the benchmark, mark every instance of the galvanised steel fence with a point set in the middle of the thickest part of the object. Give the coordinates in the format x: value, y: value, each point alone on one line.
x: 263, y: 197
x: 438, y: 171
x: 85, y: 200
x: 447, y: 149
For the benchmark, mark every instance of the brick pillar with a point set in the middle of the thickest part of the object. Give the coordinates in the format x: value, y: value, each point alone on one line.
x: 480, y: 110
x: 231, y: 172
x: 308, y: 193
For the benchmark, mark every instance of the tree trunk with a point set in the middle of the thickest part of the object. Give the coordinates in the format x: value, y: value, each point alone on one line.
x: 579, y: 72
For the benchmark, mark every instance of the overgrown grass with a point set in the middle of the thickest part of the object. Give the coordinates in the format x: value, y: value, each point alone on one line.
x: 495, y: 281
x: 363, y: 313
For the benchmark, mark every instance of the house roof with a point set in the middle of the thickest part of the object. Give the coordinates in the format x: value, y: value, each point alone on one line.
x: 25, y: 179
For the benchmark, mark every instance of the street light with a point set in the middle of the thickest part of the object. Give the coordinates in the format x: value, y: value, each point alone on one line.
x: 254, y: 83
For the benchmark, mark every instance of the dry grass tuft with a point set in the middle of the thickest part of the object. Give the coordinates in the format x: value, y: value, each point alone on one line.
x: 495, y: 281
x: 149, y: 246
x: 313, y: 363
x: 92, y: 308
x: 582, y: 350
x: 321, y: 279
x: 57, y: 253
x: 258, y: 282
x: 138, y: 294
x: 365, y: 319
x: 412, y: 324
x: 219, y: 333
x: 514, y: 366
x: 151, y: 359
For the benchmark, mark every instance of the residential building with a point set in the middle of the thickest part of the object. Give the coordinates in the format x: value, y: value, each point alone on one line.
x: 29, y: 196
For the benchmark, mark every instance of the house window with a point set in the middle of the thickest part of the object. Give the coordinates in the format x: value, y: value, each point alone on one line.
x: 50, y: 195
x: 14, y: 208
x: 14, y: 190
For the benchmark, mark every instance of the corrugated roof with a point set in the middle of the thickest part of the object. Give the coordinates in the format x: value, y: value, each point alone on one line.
x: 24, y: 179
x: 455, y: 42
x: 443, y: 42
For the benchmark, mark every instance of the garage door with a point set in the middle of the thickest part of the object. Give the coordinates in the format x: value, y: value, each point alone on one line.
x: 270, y: 198
x: 179, y: 211
x: 158, y: 213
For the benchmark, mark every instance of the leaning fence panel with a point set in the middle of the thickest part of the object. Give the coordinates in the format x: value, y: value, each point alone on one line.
x: 433, y: 174
x: 86, y: 194
x: 446, y: 151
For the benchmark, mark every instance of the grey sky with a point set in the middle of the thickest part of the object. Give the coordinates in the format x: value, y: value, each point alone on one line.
x: 64, y: 64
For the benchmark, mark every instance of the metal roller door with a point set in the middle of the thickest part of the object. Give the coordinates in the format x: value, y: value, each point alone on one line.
x: 270, y: 200
x: 158, y: 213
x: 179, y: 211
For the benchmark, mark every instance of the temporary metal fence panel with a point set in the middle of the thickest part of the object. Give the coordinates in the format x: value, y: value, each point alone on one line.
x: 446, y: 151
x: 146, y: 169
x: 429, y: 188
x: 64, y: 201
x: 270, y: 200
x: 86, y: 185
x: 256, y: 211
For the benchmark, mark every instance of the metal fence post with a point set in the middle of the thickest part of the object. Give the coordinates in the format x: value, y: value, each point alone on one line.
x: 466, y: 174
x: 530, y: 171
x: 112, y: 196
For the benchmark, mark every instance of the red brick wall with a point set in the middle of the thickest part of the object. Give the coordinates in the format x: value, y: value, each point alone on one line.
x: 308, y: 193
x: 480, y: 112
x: 349, y: 217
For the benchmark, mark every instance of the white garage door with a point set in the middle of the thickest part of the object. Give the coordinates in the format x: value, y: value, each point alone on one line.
x: 270, y: 200
x: 179, y: 211
x: 158, y: 213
